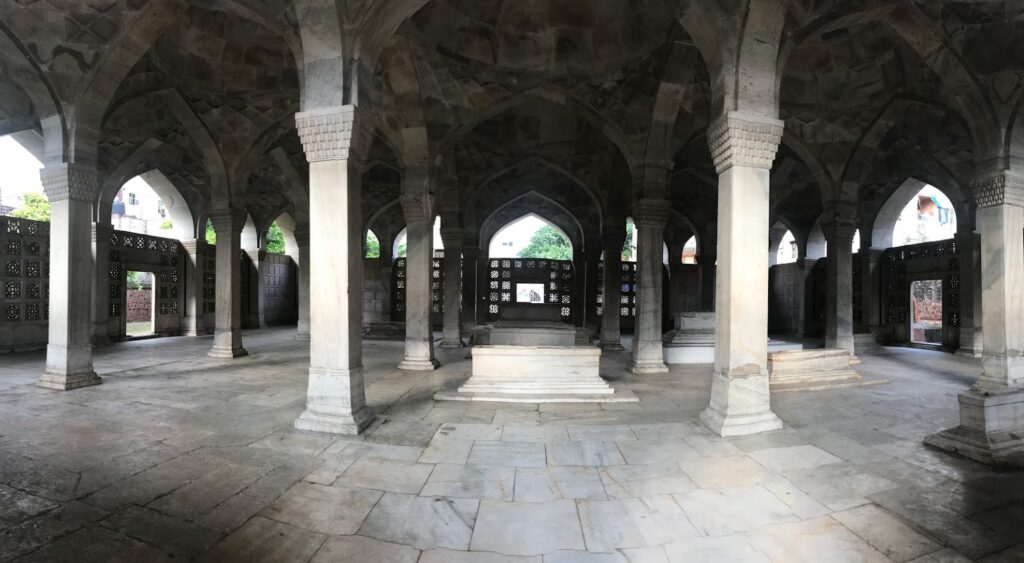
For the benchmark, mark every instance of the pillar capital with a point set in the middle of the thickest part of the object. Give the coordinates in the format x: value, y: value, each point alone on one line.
x: 648, y: 212
x: 70, y: 181
x: 417, y: 207
x: 744, y: 139
x: 1001, y: 187
x: 193, y: 246
x: 452, y: 236
x: 335, y: 133
x: 227, y: 220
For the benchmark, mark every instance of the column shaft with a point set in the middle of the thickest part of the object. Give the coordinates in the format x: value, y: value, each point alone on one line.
x: 101, y: 283
x: 969, y: 249
x: 610, y: 315
x: 452, y: 290
x: 419, y: 336
x: 302, y: 243
x: 743, y: 147
x: 1002, y: 303
x: 193, y: 321
x: 335, y: 141
x: 227, y: 337
x: 651, y: 217
x: 71, y: 190
x: 839, y: 285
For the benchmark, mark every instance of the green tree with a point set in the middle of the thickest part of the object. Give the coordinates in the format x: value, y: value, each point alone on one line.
x: 401, y: 251
x: 211, y: 235
x: 166, y: 225
x: 548, y: 242
x: 372, y: 245
x: 627, y: 246
x: 275, y: 239
x: 35, y: 207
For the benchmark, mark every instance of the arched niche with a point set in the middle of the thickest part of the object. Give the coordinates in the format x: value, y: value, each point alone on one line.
x: 176, y: 209
x: 883, y: 230
x: 398, y: 247
x: 287, y: 225
x: 538, y: 205
x: 250, y: 235
x: 495, y: 245
x: 783, y: 247
x: 371, y: 245
x: 816, y: 246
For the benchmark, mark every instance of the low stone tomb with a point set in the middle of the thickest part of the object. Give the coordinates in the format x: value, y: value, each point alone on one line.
x: 537, y: 374
x: 527, y: 333
x: 811, y: 369
x: 693, y: 340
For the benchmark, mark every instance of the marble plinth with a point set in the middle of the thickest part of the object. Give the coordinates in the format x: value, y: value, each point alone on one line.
x: 991, y: 428
x: 536, y: 374
x: 527, y: 333
x: 692, y: 341
x: 811, y: 369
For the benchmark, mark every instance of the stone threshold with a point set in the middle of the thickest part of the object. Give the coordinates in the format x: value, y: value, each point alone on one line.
x: 798, y: 387
x: 621, y: 395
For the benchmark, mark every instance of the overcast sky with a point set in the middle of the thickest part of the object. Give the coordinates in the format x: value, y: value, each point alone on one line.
x: 19, y: 172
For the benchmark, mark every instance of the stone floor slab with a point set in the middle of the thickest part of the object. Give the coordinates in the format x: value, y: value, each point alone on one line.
x: 728, y: 511
x: 364, y: 550
x: 631, y: 481
x: 527, y: 528
x: 490, y: 482
x: 329, y: 510
x: 422, y: 522
x: 554, y: 483
x: 893, y: 538
x: 386, y: 475
x: 510, y: 454
x: 262, y: 540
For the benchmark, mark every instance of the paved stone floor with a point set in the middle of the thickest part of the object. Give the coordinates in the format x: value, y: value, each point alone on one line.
x: 179, y: 457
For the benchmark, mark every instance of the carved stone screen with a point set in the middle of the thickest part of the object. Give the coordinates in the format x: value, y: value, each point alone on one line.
x: 24, y: 289
x: 505, y: 275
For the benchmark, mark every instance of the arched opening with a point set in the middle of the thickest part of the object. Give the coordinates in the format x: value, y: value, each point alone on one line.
x: 817, y: 245
x: 530, y: 236
x: 689, y: 251
x: 21, y: 194
x: 915, y: 213
x: 150, y: 204
x: 372, y: 245
x: 398, y: 248
x: 787, y: 251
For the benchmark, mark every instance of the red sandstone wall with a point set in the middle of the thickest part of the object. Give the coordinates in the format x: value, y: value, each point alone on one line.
x: 140, y: 305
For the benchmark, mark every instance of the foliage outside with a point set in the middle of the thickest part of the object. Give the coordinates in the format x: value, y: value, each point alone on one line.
x: 166, y: 225
x: 275, y: 239
x: 548, y: 242
x: 372, y: 245
x: 627, y: 246
x: 401, y: 251
x: 35, y: 207
x: 211, y: 235
x: 134, y: 280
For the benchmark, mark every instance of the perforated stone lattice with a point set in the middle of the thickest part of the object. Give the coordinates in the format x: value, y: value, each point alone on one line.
x: 25, y: 247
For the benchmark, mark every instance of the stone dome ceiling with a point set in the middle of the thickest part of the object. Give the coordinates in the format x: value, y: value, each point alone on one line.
x: 554, y: 36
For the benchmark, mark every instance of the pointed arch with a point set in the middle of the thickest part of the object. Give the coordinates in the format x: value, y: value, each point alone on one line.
x: 544, y: 207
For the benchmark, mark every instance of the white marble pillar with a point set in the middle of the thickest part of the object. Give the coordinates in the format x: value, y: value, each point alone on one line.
x: 591, y: 322
x: 743, y: 147
x: 839, y: 281
x: 101, y: 283
x: 612, y: 242
x: 335, y: 141
x: 419, y: 222
x: 971, y: 340
x: 71, y: 189
x: 470, y: 267
x: 194, y: 268
x: 302, y: 246
x: 992, y: 412
x: 650, y: 217
x: 452, y: 239
x: 227, y: 337
x: 871, y: 291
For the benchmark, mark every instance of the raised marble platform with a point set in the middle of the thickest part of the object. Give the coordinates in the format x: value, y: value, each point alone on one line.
x: 526, y: 333
x: 693, y: 340
x: 536, y: 374
x: 808, y: 370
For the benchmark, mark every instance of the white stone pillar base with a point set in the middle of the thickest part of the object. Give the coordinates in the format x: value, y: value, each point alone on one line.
x: 64, y: 381
x: 991, y: 428
x: 329, y: 402
x: 419, y: 364
x: 739, y: 406
x: 644, y: 367
x: 970, y: 343
x: 611, y: 346
x: 227, y: 353
x: 452, y: 344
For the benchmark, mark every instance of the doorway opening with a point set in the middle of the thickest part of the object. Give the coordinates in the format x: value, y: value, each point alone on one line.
x: 140, y: 299
x: 926, y: 312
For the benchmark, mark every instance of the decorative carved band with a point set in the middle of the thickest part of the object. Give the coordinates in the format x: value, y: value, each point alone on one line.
x: 69, y: 181
x: 340, y: 133
x: 1003, y: 188
x: 744, y: 139
x: 227, y: 221
x: 417, y: 207
x: 452, y: 237
x: 651, y: 213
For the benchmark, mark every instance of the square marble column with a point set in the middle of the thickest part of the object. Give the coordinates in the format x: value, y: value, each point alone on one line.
x: 227, y: 337
x: 871, y: 291
x: 969, y: 249
x: 612, y: 242
x: 302, y: 244
x: 194, y: 269
x: 839, y: 229
x: 419, y: 223
x: 452, y: 238
x: 71, y: 189
x: 101, y: 283
x: 650, y: 217
x: 335, y: 141
x: 743, y: 147
x: 991, y: 426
